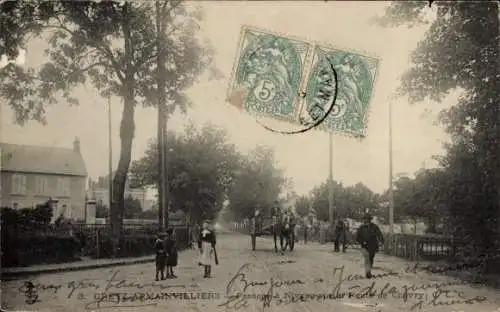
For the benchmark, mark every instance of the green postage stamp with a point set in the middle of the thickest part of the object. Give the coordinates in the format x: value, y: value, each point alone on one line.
x: 270, y: 69
x: 297, y: 81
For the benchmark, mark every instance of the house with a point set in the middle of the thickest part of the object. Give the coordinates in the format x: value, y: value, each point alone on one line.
x: 31, y: 175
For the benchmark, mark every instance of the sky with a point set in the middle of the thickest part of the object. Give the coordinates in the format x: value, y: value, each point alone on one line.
x: 346, y: 25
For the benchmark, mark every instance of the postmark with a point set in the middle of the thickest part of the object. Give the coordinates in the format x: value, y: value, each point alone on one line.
x: 306, y: 84
x: 356, y: 77
x: 269, y: 69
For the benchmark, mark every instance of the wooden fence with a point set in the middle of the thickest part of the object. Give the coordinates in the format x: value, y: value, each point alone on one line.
x: 413, y: 247
x: 94, y: 233
x: 421, y: 247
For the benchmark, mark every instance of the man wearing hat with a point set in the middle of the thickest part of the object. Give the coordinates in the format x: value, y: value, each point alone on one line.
x: 340, y: 236
x: 369, y: 236
x: 206, y: 244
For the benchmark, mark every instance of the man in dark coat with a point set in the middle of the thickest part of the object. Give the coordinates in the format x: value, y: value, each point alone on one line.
x: 369, y: 236
x: 340, y: 236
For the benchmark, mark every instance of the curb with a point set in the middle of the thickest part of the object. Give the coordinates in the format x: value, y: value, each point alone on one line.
x: 5, y: 275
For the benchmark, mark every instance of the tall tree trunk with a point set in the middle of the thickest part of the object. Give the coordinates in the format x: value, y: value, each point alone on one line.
x: 127, y: 131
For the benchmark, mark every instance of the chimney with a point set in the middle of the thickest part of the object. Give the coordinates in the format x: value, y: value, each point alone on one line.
x: 76, y: 145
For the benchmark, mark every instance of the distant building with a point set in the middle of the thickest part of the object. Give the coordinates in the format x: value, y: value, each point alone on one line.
x: 99, y: 191
x: 31, y: 175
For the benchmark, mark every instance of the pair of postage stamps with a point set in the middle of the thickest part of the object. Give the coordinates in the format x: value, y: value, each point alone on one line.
x: 303, y: 83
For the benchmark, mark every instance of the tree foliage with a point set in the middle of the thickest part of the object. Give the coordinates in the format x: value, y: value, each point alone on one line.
x: 133, y: 210
x: 104, y: 43
x: 200, y: 166
x: 111, y: 45
x: 348, y: 202
x: 205, y: 171
x: 422, y: 198
x: 258, y: 184
x: 303, y: 205
x: 460, y: 51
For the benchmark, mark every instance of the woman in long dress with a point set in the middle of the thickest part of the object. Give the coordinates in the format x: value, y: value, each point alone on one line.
x: 206, y: 243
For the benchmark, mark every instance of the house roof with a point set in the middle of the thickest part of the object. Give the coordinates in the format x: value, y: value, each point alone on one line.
x: 41, y: 159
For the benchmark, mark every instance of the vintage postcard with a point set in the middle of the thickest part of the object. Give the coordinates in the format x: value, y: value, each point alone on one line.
x: 244, y: 156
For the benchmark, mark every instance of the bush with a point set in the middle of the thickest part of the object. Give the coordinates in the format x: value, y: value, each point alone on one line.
x: 39, y: 217
x: 38, y: 249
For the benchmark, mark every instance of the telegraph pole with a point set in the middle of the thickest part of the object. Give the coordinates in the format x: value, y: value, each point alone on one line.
x: 391, y: 194
x: 110, y: 159
x: 330, y: 179
x: 161, y: 82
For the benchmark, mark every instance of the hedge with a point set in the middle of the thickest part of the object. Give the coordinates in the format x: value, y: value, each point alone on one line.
x: 29, y: 249
x: 24, y: 248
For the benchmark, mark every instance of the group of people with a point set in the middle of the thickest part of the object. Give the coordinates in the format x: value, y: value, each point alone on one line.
x: 368, y: 236
x: 166, y: 254
x: 166, y: 251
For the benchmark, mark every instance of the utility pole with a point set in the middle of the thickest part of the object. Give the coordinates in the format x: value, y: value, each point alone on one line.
x: 165, y: 172
x: 391, y: 194
x: 330, y: 179
x: 110, y: 159
x: 161, y: 82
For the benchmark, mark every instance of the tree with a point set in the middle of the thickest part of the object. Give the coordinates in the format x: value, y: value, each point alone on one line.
x: 201, y: 167
x: 358, y: 199
x: 321, y: 204
x: 133, y: 208
x: 303, y: 205
x: 111, y: 44
x: 257, y: 185
x: 348, y: 202
x: 461, y: 52
x: 403, y: 193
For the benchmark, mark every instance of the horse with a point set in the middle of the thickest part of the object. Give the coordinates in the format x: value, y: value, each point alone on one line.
x: 286, y: 231
x: 280, y: 226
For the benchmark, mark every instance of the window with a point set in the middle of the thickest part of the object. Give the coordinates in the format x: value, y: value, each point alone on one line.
x: 42, y: 185
x: 63, y: 187
x: 19, y: 184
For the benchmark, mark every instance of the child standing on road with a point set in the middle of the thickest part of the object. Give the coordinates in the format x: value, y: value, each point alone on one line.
x: 171, y: 250
x: 160, y: 256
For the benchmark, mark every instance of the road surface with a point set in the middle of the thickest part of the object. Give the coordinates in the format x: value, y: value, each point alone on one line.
x: 311, y: 278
